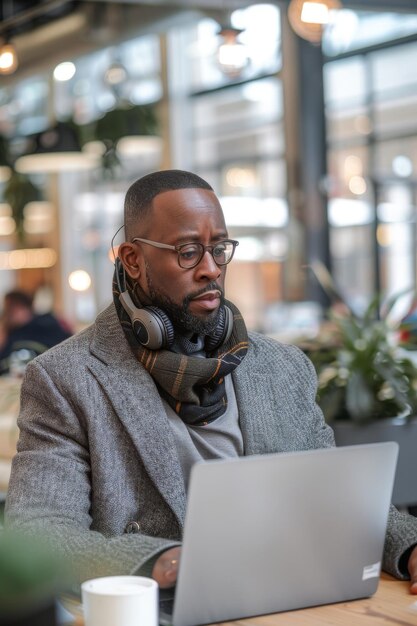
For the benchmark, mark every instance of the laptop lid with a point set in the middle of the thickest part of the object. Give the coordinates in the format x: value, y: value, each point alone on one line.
x: 283, y: 531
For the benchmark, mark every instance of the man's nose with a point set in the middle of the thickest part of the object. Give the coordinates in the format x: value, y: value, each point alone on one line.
x: 208, y: 268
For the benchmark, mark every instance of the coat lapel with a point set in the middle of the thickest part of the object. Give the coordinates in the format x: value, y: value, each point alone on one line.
x: 138, y: 405
x: 258, y: 429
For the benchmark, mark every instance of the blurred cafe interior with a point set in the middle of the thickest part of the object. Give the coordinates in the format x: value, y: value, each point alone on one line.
x: 302, y: 115
x: 305, y: 126
x: 309, y: 139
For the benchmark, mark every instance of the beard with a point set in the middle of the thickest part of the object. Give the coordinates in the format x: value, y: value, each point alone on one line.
x: 180, y: 316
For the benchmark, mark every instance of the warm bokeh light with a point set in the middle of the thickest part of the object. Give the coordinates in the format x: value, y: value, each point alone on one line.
x: 5, y: 173
x: 240, y: 177
x: 38, y: 217
x: 79, y: 280
x: 29, y: 258
x: 112, y: 253
x: 352, y: 166
x: 8, y: 59
x: 383, y: 235
x: 357, y: 185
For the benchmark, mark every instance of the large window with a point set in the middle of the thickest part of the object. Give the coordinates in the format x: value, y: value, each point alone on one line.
x: 230, y: 130
x: 371, y: 99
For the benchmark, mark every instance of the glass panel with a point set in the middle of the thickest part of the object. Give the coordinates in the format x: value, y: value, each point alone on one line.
x: 352, y: 259
x: 356, y: 29
x: 239, y: 122
x: 92, y: 92
x: 24, y: 107
x: 260, y: 179
x: 349, y: 171
x: 345, y: 83
x: 255, y: 103
x: 394, y: 71
x: 353, y: 124
x: 397, y: 115
x: 397, y: 157
x: 397, y: 239
x: 233, y: 145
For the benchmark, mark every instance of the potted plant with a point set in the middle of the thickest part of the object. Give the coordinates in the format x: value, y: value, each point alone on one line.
x: 31, y: 577
x: 368, y: 388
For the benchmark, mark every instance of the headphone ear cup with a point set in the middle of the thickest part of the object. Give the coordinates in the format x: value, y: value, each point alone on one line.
x: 165, y: 326
x: 151, y: 325
x: 223, y: 330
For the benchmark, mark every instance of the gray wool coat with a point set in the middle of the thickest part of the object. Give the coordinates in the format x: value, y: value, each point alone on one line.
x: 96, y: 450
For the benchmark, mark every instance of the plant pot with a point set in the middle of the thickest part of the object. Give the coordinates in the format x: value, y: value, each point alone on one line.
x: 44, y: 614
x: 388, y: 429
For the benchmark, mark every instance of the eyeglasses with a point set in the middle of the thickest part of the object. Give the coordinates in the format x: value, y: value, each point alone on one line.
x: 190, y: 254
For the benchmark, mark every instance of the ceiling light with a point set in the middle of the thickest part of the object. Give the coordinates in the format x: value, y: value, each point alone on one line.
x: 309, y: 18
x: 232, y: 55
x: 8, y: 58
x: 115, y: 74
x: 55, y: 150
x: 139, y: 145
x: 64, y: 71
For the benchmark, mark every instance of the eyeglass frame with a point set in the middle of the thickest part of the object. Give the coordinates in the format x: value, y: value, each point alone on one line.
x: 177, y: 248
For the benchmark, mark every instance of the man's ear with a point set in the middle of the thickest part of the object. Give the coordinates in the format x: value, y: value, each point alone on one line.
x: 128, y: 254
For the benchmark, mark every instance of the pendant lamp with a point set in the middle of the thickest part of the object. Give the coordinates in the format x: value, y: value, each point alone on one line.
x: 309, y: 18
x: 8, y: 58
x: 56, y: 149
x: 232, y: 55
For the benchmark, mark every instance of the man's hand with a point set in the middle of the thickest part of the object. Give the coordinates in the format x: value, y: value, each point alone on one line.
x: 412, y: 568
x: 166, y: 568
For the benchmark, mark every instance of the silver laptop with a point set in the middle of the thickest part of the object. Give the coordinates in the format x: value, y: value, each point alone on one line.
x: 276, y: 532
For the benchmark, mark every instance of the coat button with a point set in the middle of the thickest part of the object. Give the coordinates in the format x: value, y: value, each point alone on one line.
x: 132, y: 528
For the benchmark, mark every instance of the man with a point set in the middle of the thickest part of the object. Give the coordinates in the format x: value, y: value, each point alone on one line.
x: 24, y: 330
x: 167, y: 375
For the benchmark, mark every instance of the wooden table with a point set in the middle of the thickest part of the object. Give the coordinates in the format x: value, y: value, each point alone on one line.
x: 391, y: 605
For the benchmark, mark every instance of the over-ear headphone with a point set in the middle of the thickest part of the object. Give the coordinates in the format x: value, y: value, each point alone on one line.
x: 154, y: 329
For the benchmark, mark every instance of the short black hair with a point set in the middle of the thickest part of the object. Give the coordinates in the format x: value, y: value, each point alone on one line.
x: 139, y: 196
x: 17, y: 296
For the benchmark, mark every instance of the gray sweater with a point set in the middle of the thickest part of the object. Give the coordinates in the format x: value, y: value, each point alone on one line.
x: 96, y: 450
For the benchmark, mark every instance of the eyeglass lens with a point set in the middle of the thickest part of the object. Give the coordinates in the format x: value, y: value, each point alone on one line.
x: 191, y: 254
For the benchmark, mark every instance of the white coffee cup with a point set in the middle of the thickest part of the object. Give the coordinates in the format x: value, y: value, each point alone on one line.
x: 120, y: 601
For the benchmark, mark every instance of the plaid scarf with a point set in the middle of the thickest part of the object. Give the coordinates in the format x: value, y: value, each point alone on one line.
x: 193, y: 386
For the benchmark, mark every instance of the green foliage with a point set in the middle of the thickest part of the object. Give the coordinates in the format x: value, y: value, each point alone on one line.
x: 30, y: 574
x: 120, y: 122
x: 18, y: 191
x: 362, y: 376
x: 128, y: 120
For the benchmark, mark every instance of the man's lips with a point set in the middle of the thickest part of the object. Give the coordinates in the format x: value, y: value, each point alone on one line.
x: 209, y: 300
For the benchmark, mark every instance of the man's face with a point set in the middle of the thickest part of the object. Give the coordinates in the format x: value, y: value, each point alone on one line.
x: 190, y: 297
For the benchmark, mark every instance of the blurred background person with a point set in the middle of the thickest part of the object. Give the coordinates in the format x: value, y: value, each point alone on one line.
x: 24, y: 334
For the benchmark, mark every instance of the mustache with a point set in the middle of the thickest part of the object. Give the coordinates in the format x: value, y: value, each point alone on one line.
x: 213, y: 286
